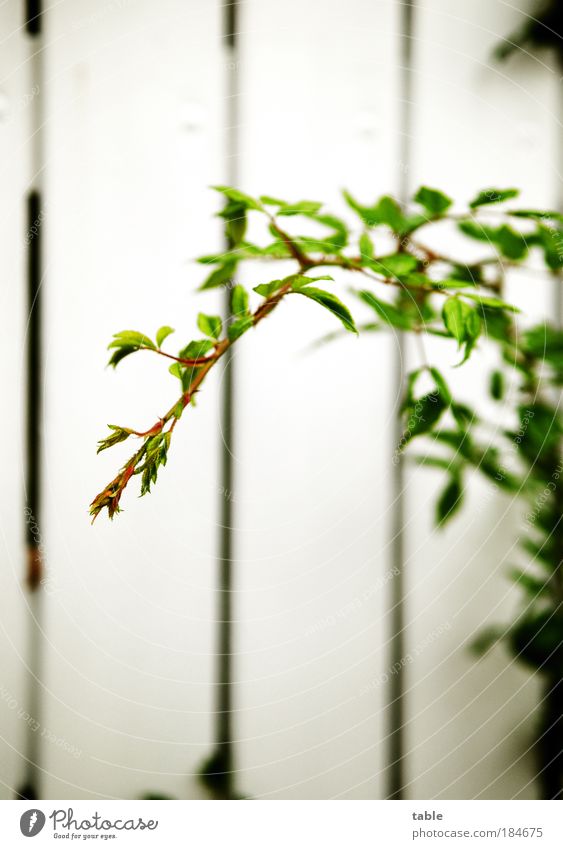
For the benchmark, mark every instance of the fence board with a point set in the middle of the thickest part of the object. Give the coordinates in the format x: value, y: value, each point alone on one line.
x: 477, y: 123
x: 319, y: 113
x: 16, y: 97
x: 134, y: 139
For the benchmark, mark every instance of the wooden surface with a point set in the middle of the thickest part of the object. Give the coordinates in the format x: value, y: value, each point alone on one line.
x: 135, y: 133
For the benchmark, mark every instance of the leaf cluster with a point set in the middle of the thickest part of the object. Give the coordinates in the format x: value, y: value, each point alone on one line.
x: 410, y: 288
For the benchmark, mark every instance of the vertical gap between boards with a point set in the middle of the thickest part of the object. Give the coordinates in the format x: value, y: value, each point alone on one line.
x: 396, y: 692
x: 33, y: 569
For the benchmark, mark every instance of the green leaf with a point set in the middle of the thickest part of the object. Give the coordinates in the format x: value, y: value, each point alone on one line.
x: 239, y: 197
x: 127, y: 342
x: 179, y: 409
x: 239, y: 300
x: 487, y: 638
x: 542, y: 428
x: 463, y: 323
x: 472, y: 325
x: 296, y: 281
x: 412, y: 378
x: 476, y: 230
x: 449, y: 283
x: 548, y: 216
x: 435, y: 331
x: 267, y: 289
x: 162, y: 333
x: 196, y: 349
x: 270, y: 201
x: 472, y: 333
x: 385, y: 211
x: 120, y: 354
x: 551, y: 240
x: 423, y: 414
x: 536, y: 214
x: 211, y: 325
x: 366, y: 246
x: 239, y: 326
x: 299, y: 280
x: 441, y: 384
x: 308, y: 244
x: 511, y: 243
x: 389, y: 213
x: 487, y: 196
x: 221, y: 275
x: 434, y: 201
x: 455, y: 313
x: 540, y: 550
x: 155, y: 456
x: 536, y: 638
x: 235, y: 222
x: 463, y: 415
x: 119, y: 435
x: 472, y: 274
x: 302, y: 207
x: 334, y: 242
x: 331, y: 303
x: 338, y: 239
x: 176, y: 370
x: 131, y: 338
x: 189, y: 374
x: 388, y: 312
x: 545, y: 343
x: 211, y: 259
x: 532, y: 585
x: 496, y: 385
x: 412, y: 223
x: 498, y: 323
x: 487, y: 301
x: 417, y: 279
x: 277, y: 250
x: 449, y: 501
x: 433, y: 462
x: 394, y: 265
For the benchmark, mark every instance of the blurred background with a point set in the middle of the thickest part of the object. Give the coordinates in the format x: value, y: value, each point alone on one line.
x: 118, y: 116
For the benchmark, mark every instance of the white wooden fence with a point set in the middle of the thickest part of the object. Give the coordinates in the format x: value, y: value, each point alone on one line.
x: 134, y: 100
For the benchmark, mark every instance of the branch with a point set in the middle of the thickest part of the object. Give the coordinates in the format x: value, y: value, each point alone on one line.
x: 295, y: 251
x: 110, y: 497
x: 461, y: 319
x: 197, y: 361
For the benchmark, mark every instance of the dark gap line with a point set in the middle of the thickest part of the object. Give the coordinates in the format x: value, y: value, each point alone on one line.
x: 396, y: 693
x: 30, y: 788
x: 219, y: 772
x: 33, y: 17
